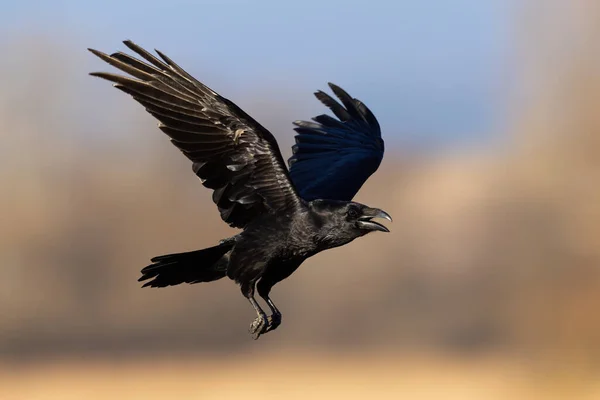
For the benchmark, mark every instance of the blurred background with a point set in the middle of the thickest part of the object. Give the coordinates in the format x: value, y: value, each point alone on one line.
x: 488, y: 286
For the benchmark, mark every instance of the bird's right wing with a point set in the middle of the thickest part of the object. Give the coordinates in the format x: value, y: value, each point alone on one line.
x: 231, y: 152
x: 334, y: 157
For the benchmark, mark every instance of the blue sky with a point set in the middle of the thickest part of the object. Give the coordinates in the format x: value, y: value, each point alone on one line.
x: 432, y: 71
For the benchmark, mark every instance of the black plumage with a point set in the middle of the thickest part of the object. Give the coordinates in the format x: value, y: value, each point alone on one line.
x: 345, y: 151
x: 286, y: 217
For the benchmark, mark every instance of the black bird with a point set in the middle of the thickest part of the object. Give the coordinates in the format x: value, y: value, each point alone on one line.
x: 285, y: 217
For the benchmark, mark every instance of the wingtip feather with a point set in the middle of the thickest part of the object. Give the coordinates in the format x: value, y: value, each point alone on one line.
x: 98, y: 53
x: 129, y: 43
x: 97, y: 74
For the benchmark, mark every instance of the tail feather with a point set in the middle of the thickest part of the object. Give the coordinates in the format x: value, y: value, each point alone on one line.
x: 204, y: 265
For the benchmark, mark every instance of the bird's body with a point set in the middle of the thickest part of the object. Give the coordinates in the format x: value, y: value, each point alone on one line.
x: 281, y: 243
x: 285, y: 217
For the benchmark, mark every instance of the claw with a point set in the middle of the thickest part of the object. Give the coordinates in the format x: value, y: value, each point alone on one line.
x: 258, y: 327
x: 273, y: 322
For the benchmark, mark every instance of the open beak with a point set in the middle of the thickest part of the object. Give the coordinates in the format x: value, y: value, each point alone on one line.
x: 364, y: 222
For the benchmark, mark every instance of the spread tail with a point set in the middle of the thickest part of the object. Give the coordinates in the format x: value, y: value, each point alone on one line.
x: 204, y: 265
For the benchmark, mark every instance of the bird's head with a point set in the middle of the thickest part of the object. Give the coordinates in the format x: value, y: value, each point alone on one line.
x: 341, y: 222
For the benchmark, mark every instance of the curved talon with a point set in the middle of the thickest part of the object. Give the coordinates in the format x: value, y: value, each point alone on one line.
x: 273, y: 322
x: 258, y: 327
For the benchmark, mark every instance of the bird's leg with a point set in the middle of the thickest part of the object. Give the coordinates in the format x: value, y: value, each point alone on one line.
x: 259, y: 325
x: 264, y: 288
x: 274, y: 319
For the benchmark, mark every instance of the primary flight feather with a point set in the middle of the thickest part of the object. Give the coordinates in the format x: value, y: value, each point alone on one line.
x: 286, y: 216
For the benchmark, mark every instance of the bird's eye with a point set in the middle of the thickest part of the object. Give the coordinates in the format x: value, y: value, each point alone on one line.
x: 352, y: 212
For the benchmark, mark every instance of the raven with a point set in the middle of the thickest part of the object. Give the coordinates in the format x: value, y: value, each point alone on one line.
x: 285, y: 216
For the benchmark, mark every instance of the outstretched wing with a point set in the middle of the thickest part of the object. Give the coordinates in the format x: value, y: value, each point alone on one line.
x: 231, y: 152
x: 334, y: 157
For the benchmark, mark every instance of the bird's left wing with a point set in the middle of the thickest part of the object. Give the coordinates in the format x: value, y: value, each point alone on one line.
x: 334, y: 157
x: 231, y: 152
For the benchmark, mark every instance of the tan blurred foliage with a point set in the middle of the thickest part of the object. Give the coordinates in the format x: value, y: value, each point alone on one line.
x: 495, y: 250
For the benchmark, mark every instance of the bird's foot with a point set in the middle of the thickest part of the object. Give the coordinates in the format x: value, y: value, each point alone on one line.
x: 258, y: 326
x: 273, y: 322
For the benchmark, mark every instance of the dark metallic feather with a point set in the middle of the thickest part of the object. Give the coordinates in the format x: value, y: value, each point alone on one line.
x: 332, y: 158
x: 232, y: 153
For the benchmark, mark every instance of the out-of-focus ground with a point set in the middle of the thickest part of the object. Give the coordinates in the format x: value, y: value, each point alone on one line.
x: 275, y: 377
x: 488, y: 286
